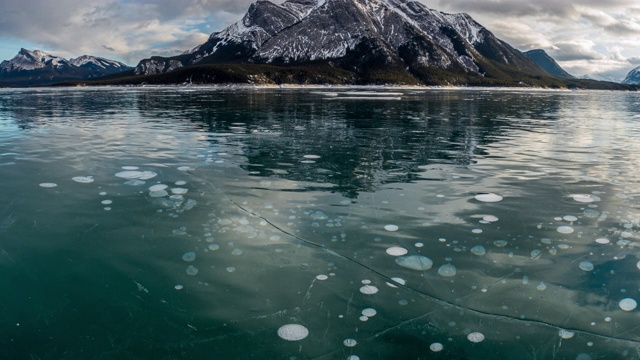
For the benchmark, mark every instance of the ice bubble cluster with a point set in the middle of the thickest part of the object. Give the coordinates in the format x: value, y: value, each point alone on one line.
x: 391, y: 227
x: 134, y: 174
x: 369, y: 312
x: 350, y: 342
x: 189, y: 256
x: 628, y: 304
x: 583, y: 198
x: 415, y: 262
x: 475, y: 337
x: 565, y: 229
x: 478, y: 250
x: 447, y: 270
x: 397, y: 251
x: 368, y: 289
x: 586, y: 266
x: 488, y: 197
x: 293, y: 332
x: 566, y: 334
x: 83, y: 179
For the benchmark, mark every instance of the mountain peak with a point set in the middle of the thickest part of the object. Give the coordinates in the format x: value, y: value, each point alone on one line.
x: 370, y: 38
x: 540, y: 57
x: 633, y: 77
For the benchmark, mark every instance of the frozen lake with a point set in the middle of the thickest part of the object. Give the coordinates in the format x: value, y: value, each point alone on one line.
x: 230, y: 223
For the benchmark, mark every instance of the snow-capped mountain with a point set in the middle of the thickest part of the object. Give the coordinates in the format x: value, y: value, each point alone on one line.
x: 38, y: 68
x: 546, y: 62
x: 358, y: 35
x: 633, y: 77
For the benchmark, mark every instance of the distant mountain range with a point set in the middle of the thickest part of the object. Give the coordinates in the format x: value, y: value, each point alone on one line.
x: 37, y: 67
x: 328, y: 42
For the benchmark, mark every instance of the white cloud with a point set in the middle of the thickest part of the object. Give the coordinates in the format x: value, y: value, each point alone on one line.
x: 127, y: 30
x: 587, y: 37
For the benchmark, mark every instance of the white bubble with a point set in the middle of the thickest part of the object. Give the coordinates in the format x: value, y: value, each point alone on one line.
x: 106, y: 202
x: 565, y: 229
x: 570, y: 218
x: 130, y: 168
x: 586, y: 266
x: 311, y: 156
x: 447, y: 270
x: 415, y: 262
x: 48, y: 185
x: 584, y: 356
x: 185, y: 168
x: 180, y: 183
x: 141, y: 175
x: 192, y: 270
x: 353, y: 357
x: 178, y: 287
x: 583, y: 198
x: 231, y: 269
x: 158, y: 187
x: 418, y: 244
x: 490, y: 218
x: 489, y: 197
x: 189, y: 256
x: 476, y: 231
x: 158, y: 194
x: 566, y: 334
x: 397, y: 280
x: 436, y: 347
x: 236, y: 252
x: 369, y: 312
x: 475, y: 337
x: 350, y: 342
x: 638, y: 264
x: 102, y: 193
x: 391, y: 227
x: 397, y: 251
x: 500, y: 243
x: 628, y: 304
x: 478, y: 250
x: 134, y: 182
x: 368, y: 289
x: 179, y: 191
x: 83, y: 179
x: 322, y: 277
x: 214, y: 247
x: 541, y: 287
x: 293, y: 332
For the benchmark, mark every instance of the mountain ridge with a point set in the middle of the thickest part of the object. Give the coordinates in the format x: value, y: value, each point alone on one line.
x: 363, y: 36
x: 37, y: 67
x: 546, y: 62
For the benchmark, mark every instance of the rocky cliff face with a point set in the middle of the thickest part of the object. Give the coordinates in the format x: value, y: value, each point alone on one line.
x: 358, y: 35
x: 39, y: 68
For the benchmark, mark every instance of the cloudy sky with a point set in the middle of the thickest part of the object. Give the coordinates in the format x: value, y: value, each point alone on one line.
x: 600, y: 38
